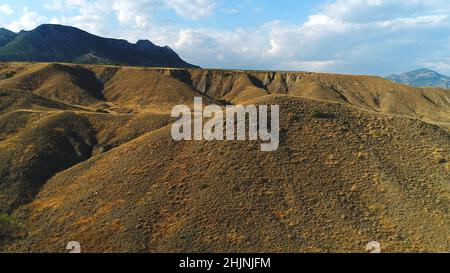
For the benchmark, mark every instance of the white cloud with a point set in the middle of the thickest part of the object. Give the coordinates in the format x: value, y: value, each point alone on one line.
x: 6, y: 9
x: 192, y: 9
x: 137, y: 12
x: 92, y: 16
x: 136, y: 15
x: 230, y: 10
x: 320, y: 65
x: 64, y: 5
x: 348, y: 36
x: 27, y: 21
x: 439, y: 63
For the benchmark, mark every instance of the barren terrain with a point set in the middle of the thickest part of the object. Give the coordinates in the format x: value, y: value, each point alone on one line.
x: 86, y: 155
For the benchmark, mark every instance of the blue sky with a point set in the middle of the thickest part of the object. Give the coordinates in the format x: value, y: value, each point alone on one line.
x: 343, y: 36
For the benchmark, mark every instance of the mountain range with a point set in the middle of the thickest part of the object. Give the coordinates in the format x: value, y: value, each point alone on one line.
x: 57, y: 43
x: 421, y: 77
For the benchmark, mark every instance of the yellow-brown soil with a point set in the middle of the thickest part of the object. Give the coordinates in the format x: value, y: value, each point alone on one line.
x: 99, y: 166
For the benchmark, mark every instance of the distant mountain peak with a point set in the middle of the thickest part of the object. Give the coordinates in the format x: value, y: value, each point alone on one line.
x: 423, y: 77
x: 145, y: 45
x: 56, y: 27
x: 145, y: 42
x: 59, y: 43
x: 43, y: 26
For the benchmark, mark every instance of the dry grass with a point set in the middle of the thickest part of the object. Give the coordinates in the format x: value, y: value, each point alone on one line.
x: 358, y: 161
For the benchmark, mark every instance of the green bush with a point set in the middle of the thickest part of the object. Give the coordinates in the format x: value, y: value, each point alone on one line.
x: 102, y: 111
x: 10, y: 74
x: 6, y: 219
x: 317, y: 113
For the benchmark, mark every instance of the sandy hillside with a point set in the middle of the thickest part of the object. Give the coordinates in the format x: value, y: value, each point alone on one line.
x: 86, y: 154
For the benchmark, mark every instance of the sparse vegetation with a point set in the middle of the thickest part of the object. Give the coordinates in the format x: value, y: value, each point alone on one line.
x: 10, y: 74
x: 330, y: 186
x: 317, y: 113
x: 102, y: 111
x: 6, y: 219
x: 442, y: 160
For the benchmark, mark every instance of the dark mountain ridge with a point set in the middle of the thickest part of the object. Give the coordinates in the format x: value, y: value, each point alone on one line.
x: 6, y: 36
x: 57, y: 43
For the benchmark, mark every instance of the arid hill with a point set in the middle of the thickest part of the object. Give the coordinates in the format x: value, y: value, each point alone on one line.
x: 146, y: 88
x: 86, y: 154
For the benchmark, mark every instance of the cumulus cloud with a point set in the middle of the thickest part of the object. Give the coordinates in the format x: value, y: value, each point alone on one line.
x: 6, y: 9
x: 137, y: 12
x: 92, y: 16
x: 348, y: 36
x: 27, y: 21
x: 192, y: 9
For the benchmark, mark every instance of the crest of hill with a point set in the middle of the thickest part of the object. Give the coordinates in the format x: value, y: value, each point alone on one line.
x: 139, y: 89
x: 16, y: 100
x: 67, y: 84
x: 131, y: 88
x: 365, y: 92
